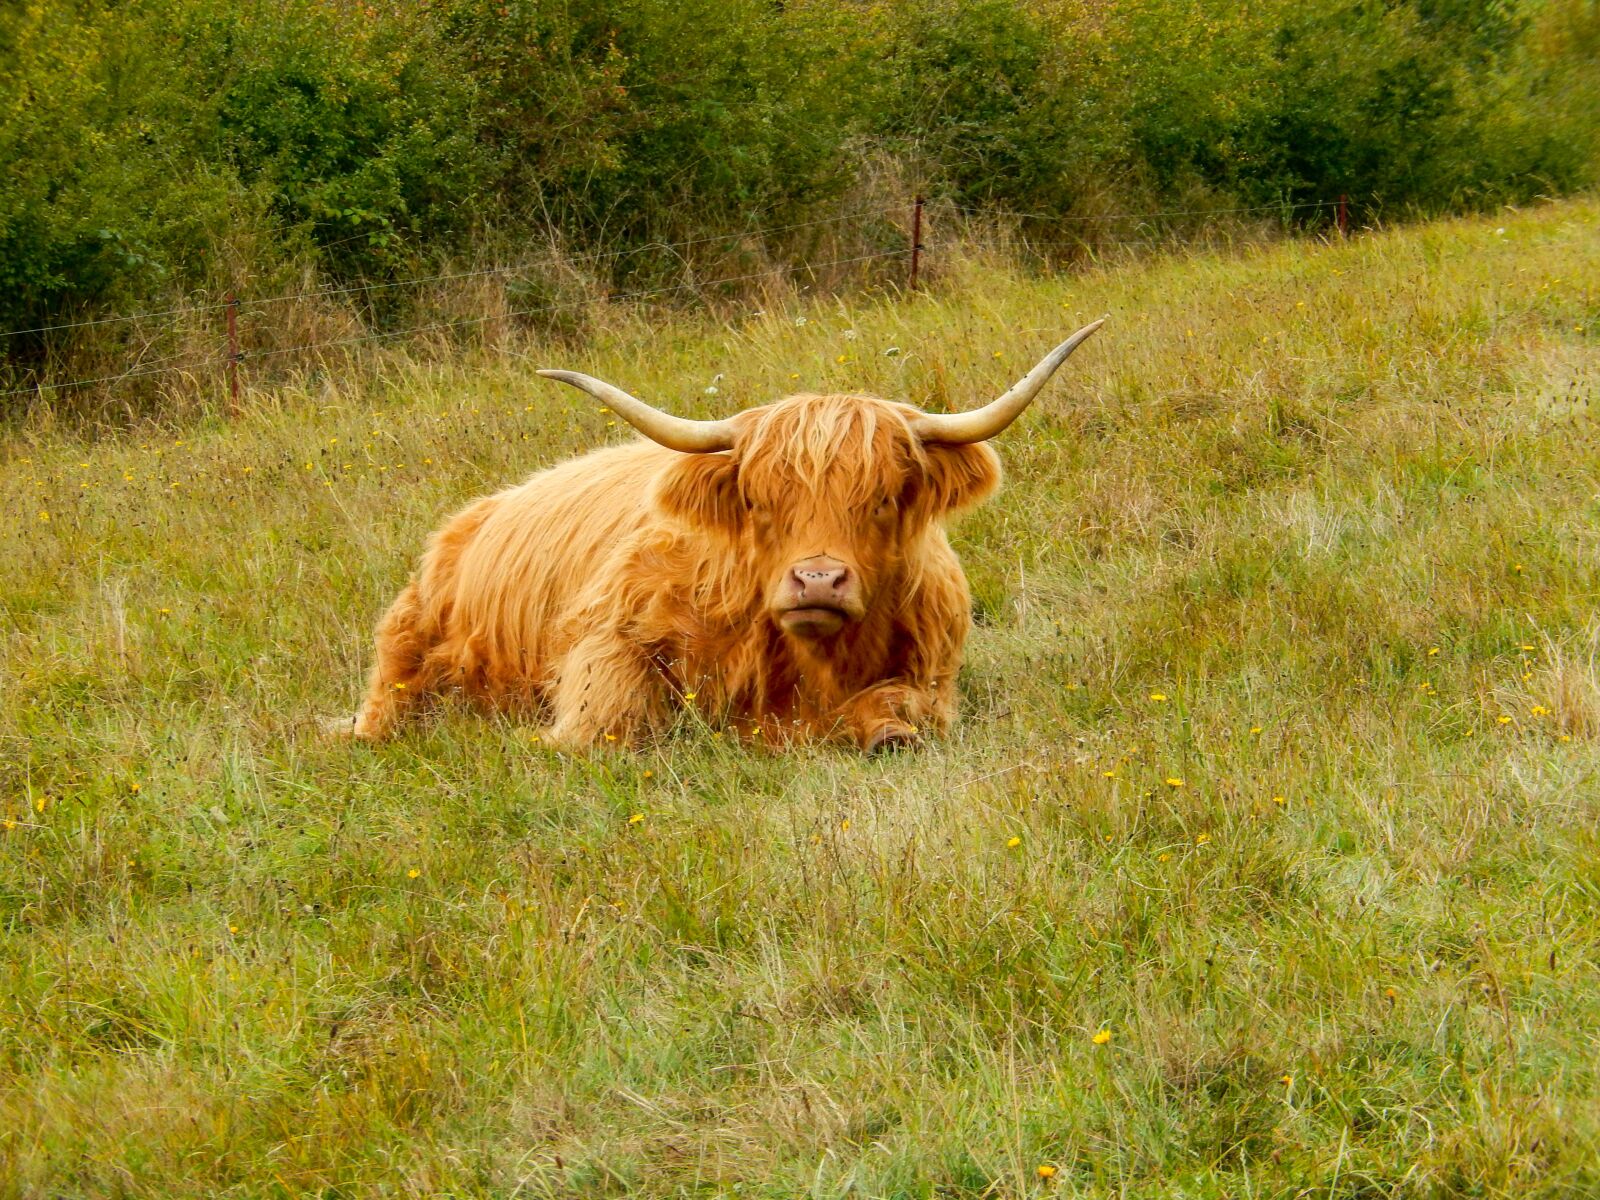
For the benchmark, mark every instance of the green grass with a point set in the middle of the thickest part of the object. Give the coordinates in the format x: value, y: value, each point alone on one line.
x: 1339, y: 505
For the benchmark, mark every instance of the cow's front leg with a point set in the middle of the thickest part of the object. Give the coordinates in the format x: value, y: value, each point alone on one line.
x: 608, y: 691
x: 400, y: 675
x: 894, y: 713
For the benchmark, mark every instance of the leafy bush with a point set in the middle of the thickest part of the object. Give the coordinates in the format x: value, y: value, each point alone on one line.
x: 364, y: 141
x: 107, y: 198
x: 158, y: 147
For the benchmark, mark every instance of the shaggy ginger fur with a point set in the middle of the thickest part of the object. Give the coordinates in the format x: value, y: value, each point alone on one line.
x: 613, y: 588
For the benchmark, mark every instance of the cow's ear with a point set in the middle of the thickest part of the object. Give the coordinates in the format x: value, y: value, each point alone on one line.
x: 702, y: 490
x: 959, y: 477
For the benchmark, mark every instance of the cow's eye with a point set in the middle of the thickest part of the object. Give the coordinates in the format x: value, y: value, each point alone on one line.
x: 885, y: 511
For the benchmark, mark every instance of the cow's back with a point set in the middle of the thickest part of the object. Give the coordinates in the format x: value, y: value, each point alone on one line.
x: 501, y: 576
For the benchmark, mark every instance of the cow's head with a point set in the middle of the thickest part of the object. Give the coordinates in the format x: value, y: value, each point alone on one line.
x: 826, y: 493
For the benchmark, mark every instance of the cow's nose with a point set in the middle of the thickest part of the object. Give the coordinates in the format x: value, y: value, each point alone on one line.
x: 819, y: 580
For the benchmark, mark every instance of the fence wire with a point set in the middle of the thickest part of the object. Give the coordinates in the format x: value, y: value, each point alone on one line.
x: 555, y: 258
x: 550, y: 258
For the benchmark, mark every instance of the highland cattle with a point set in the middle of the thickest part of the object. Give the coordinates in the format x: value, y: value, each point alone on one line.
x: 784, y: 572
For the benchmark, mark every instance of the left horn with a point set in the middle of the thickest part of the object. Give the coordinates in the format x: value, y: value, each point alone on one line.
x: 981, y: 424
x: 675, y: 433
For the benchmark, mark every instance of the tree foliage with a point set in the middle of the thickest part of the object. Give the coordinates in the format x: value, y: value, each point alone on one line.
x: 157, y: 147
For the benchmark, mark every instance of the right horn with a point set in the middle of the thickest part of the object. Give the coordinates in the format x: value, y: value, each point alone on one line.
x: 981, y: 424
x: 675, y: 433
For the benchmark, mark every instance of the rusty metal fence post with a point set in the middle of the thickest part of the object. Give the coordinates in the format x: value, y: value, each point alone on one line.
x: 233, y: 354
x: 916, y: 243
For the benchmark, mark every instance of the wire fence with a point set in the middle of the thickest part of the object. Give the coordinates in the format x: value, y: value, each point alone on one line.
x: 1045, y: 237
x: 571, y: 306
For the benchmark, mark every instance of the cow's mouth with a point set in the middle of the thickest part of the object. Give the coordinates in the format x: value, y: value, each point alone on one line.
x: 817, y: 621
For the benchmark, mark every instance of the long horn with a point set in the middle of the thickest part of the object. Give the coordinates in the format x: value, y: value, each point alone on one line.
x: 981, y: 424
x: 675, y: 433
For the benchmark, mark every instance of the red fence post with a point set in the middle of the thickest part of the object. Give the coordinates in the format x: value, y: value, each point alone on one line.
x: 233, y: 354
x: 916, y: 242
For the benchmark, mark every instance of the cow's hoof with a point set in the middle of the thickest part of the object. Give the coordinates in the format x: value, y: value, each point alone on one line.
x: 892, y: 737
x: 338, y: 729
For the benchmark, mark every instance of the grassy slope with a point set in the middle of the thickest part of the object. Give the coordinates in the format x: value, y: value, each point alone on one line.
x: 1337, y: 505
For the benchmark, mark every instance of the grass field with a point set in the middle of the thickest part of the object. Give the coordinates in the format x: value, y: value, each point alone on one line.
x: 1264, y: 861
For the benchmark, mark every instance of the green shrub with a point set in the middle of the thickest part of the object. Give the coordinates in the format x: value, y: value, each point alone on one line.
x: 971, y: 101
x: 108, y: 200
x: 158, y: 148
x: 364, y: 137
x: 652, y: 119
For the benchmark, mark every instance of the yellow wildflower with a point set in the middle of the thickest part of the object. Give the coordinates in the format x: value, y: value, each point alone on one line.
x: 635, y: 819
x: 1174, y: 781
x: 1101, y: 1038
x: 1013, y: 843
x: 1046, y: 1171
x: 413, y: 873
x: 1158, y: 696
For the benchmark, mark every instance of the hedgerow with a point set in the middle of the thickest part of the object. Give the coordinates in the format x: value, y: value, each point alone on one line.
x: 159, y: 149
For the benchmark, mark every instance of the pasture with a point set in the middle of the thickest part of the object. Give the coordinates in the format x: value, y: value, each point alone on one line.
x: 1263, y: 862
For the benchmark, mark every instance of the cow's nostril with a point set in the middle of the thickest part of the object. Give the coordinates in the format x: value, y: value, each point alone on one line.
x: 822, y: 583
